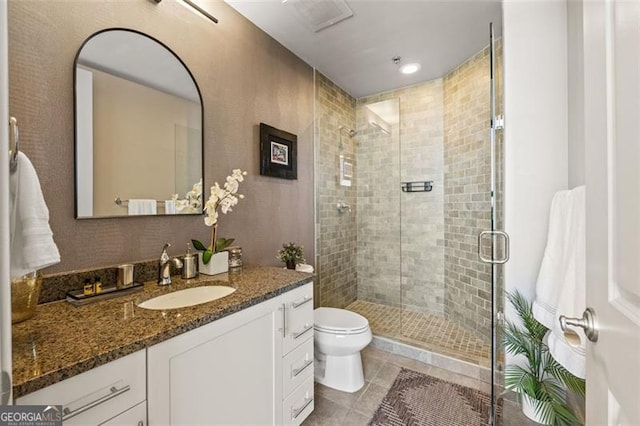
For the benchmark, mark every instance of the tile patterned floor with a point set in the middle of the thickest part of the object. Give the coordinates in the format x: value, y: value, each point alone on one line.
x: 425, y: 331
x: 335, y: 408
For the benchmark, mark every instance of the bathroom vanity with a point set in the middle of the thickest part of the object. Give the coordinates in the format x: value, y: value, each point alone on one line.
x: 243, y: 359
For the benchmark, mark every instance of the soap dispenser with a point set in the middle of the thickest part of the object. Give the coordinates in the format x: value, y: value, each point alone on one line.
x: 190, y: 264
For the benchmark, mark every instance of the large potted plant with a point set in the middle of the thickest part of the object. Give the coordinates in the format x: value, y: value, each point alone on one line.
x: 540, y: 382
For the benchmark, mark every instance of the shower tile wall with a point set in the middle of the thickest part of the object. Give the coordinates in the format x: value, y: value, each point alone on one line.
x: 467, y: 209
x: 400, y: 235
x: 336, y: 232
x: 410, y: 250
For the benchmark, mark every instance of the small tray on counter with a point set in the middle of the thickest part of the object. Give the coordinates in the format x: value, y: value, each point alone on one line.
x: 78, y: 298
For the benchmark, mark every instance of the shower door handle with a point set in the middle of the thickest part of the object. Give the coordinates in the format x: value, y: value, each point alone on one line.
x: 494, y: 234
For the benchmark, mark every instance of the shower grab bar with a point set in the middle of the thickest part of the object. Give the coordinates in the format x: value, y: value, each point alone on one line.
x: 14, y: 136
x: 491, y: 260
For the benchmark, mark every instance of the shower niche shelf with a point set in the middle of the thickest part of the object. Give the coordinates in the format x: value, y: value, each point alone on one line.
x: 420, y: 186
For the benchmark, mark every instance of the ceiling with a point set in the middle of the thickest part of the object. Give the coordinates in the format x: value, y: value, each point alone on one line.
x: 356, y: 53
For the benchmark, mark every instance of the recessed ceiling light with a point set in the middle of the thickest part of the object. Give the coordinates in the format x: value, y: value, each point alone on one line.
x: 409, y: 68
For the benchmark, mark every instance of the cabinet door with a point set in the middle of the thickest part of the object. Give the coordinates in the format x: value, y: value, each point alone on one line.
x: 226, y: 372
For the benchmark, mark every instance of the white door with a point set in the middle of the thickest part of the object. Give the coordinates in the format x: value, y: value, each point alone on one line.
x: 5, y: 296
x: 612, y: 117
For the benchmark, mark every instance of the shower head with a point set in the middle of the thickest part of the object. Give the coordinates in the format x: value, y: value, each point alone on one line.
x: 348, y: 131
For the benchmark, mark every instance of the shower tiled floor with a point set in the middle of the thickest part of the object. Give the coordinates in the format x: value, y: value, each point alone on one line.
x: 430, y: 332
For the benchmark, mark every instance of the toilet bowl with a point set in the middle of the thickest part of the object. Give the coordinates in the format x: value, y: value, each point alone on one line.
x: 339, y: 336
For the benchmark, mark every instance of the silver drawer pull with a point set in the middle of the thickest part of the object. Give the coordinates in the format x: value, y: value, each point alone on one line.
x: 307, y: 327
x: 306, y: 300
x: 297, y: 371
x: 113, y: 392
x: 296, y: 411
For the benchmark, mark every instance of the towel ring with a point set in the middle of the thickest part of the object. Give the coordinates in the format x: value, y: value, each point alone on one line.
x: 14, y: 135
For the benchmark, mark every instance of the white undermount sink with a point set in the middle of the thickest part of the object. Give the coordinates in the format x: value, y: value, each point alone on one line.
x: 188, y: 297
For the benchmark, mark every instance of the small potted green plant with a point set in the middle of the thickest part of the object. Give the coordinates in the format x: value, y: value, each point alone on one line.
x: 540, y: 382
x: 291, y: 254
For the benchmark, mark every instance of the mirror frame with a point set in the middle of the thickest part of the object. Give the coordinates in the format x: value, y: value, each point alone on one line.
x: 75, y: 125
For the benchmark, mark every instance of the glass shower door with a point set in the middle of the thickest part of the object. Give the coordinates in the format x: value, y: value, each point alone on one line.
x: 493, y: 244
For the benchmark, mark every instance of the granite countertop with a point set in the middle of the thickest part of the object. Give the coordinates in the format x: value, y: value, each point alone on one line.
x: 63, y: 340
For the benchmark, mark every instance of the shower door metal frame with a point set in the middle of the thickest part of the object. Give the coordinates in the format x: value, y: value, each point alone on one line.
x: 496, y: 261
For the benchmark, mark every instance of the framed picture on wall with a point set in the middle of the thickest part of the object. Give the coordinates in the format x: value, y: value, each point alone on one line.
x: 278, y: 153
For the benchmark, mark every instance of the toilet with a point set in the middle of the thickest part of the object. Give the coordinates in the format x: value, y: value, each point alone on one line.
x: 339, y: 336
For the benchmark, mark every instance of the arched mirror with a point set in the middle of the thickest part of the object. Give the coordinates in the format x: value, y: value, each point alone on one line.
x: 138, y: 128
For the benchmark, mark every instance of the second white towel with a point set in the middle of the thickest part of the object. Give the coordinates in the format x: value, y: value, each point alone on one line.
x: 142, y: 207
x: 572, y: 295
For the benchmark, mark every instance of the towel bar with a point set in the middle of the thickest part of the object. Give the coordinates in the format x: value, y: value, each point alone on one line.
x: 124, y: 203
x: 14, y: 135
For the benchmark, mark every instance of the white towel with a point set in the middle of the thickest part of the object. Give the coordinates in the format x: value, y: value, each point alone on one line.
x: 142, y: 207
x: 572, y: 295
x: 169, y: 207
x: 31, y: 240
x: 303, y: 267
x: 553, y: 267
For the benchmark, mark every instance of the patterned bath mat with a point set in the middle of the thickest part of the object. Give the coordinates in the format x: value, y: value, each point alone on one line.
x: 416, y: 399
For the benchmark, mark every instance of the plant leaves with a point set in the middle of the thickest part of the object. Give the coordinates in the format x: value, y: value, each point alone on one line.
x: 541, y: 378
x: 223, y: 243
x: 198, y: 245
x: 206, y: 256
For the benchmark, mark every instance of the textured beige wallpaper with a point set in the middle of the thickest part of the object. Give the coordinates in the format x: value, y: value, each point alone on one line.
x: 245, y: 78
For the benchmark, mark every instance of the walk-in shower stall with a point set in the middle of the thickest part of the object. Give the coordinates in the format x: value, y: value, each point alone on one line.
x: 406, y: 181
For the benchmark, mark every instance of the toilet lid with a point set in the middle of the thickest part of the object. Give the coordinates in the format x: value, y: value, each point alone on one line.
x: 339, y: 320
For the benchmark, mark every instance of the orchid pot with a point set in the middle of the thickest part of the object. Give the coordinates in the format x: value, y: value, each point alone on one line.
x: 218, y: 264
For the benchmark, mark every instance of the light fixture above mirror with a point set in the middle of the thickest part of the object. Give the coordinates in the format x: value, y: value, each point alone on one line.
x: 198, y: 8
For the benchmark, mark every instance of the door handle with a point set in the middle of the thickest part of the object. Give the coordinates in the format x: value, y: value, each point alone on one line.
x: 491, y: 260
x: 587, y: 323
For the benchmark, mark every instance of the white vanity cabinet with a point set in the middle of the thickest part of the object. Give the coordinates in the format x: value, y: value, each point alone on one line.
x: 113, y: 393
x: 252, y: 367
x: 237, y: 370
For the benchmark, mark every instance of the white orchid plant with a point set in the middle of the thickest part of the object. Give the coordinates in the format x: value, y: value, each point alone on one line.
x: 224, y: 199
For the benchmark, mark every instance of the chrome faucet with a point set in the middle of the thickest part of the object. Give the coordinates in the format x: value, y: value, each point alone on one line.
x: 164, y: 266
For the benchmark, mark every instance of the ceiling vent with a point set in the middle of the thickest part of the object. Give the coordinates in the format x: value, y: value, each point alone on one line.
x: 320, y: 14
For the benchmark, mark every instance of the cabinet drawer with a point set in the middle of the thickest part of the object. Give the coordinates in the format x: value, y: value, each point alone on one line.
x: 299, y: 405
x: 298, y: 317
x: 136, y: 416
x: 297, y: 366
x: 99, y: 394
